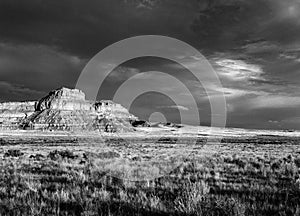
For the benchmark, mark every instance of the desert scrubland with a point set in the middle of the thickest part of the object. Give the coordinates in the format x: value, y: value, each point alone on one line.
x: 150, y: 172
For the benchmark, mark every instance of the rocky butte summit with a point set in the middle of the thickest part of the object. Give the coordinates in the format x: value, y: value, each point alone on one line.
x: 68, y: 110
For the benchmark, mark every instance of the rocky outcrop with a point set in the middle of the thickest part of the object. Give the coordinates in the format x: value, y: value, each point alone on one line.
x: 13, y: 113
x: 113, y: 110
x: 67, y: 109
x: 63, y: 99
x: 112, y: 117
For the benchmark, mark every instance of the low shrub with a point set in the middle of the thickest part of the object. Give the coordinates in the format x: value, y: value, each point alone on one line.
x: 13, y: 153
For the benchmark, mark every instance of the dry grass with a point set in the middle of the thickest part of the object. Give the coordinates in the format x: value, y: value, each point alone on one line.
x: 72, y: 176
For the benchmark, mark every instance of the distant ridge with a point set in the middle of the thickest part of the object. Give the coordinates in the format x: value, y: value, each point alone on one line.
x: 68, y: 110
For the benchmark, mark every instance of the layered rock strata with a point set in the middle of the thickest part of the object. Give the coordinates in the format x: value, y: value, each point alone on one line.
x: 13, y: 113
x: 66, y: 109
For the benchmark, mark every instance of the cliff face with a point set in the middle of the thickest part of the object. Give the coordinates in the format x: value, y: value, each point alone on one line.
x: 63, y: 99
x: 66, y: 109
x: 13, y: 113
x: 114, y: 110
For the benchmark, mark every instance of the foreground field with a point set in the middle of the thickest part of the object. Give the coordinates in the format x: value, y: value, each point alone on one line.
x: 167, y: 174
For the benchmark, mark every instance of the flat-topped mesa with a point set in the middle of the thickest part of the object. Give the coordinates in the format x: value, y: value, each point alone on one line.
x: 66, y: 109
x: 63, y: 99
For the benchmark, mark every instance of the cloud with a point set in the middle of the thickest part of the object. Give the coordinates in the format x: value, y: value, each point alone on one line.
x: 259, y: 47
x: 122, y: 73
x: 238, y: 69
x: 40, y: 68
x: 274, y: 122
x: 178, y: 107
x: 145, y: 4
x: 274, y: 101
x: 292, y: 120
x: 14, y: 92
x: 84, y: 28
x: 253, y: 45
x: 290, y: 55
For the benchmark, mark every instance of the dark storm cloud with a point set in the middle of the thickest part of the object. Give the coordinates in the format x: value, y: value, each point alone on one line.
x: 254, y: 46
x: 229, y: 24
x: 257, y: 34
x: 84, y: 28
x: 37, y: 67
x: 14, y: 92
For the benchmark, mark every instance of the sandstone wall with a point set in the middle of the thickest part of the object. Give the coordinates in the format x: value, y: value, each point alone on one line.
x: 109, y: 108
x: 12, y: 113
x: 64, y: 99
x: 66, y: 109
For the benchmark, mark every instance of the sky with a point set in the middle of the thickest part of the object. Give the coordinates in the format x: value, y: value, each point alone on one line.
x: 253, y: 45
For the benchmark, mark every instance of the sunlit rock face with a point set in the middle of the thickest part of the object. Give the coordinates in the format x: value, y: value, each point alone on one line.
x: 68, y: 110
x: 64, y: 99
x: 12, y: 113
x: 109, y: 108
x: 112, y: 117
